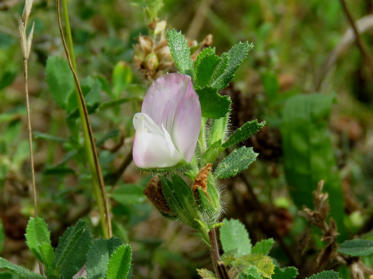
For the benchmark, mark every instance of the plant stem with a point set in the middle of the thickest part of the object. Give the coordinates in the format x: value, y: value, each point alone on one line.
x: 89, y: 141
x: 218, y: 266
x: 359, y: 41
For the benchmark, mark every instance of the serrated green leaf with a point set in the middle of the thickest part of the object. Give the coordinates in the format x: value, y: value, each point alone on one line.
x: 38, y: 240
x: 120, y: 263
x: 264, y: 264
x: 329, y: 274
x: 204, y: 67
x: 356, y: 247
x: 205, y: 273
x: 72, y: 249
x: 247, y: 130
x: 234, y: 237
x: 18, y: 270
x: 98, y: 257
x: 252, y: 273
x: 180, y: 51
x: 2, y: 235
x: 263, y: 247
x: 236, y: 162
x: 60, y: 80
x: 213, y: 105
x: 285, y: 273
x: 309, y: 155
x: 227, y: 67
x: 129, y: 194
x: 180, y: 199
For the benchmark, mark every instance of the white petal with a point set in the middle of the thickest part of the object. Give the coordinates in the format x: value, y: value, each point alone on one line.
x: 153, y: 146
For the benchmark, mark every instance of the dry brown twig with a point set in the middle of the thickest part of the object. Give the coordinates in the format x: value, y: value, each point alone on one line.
x: 26, y: 43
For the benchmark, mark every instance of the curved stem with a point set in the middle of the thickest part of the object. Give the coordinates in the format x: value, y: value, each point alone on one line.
x: 89, y: 141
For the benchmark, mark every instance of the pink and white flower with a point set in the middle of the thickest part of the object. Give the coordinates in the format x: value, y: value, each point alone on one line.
x: 169, y: 123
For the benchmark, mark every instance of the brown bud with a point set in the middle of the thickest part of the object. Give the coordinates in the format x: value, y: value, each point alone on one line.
x: 146, y: 44
x: 154, y: 193
x: 151, y: 62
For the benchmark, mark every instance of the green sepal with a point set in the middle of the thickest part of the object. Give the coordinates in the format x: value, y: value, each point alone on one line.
x: 218, y: 130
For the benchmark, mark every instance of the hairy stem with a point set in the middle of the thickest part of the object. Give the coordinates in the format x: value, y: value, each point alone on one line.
x: 89, y: 141
x: 219, y: 268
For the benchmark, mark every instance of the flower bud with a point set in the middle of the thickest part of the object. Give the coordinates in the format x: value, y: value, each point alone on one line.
x: 151, y: 62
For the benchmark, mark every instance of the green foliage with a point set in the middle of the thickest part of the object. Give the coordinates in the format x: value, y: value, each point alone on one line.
x: 60, y: 80
x: 308, y: 152
x: 236, y: 162
x: 18, y: 270
x: 205, y: 273
x: 72, y: 249
x: 329, y: 274
x: 356, y: 247
x: 234, y: 238
x: 263, y: 247
x: 204, y: 67
x: 121, y: 78
x: 120, y: 263
x: 263, y: 264
x: 2, y: 235
x: 227, y: 67
x: 213, y: 105
x: 38, y: 241
x: 285, y: 273
x: 180, y: 199
x: 98, y: 257
x: 128, y: 194
x: 180, y: 52
x: 247, y: 130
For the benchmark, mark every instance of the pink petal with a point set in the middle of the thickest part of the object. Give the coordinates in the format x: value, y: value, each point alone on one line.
x: 172, y: 102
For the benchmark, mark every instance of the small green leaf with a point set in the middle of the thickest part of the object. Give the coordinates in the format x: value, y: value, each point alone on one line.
x: 2, y: 235
x: 121, y: 78
x: 264, y: 264
x: 244, y: 132
x: 252, y: 273
x: 356, y: 247
x: 227, y: 67
x: 38, y: 240
x: 18, y: 270
x: 60, y: 80
x: 285, y: 273
x: 180, y: 51
x: 205, y: 273
x: 213, y: 105
x: 98, y: 257
x: 235, y: 162
x: 204, y: 67
x: 120, y: 263
x: 129, y: 194
x: 234, y: 237
x: 263, y: 247
x: 329, y: 274
x: 72, y: 249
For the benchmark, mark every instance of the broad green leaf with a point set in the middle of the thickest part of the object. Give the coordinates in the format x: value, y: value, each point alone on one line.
x: 120, y: 263
x: 285, y: 273
x: 180, y: 199
x: 204, y: 67
x: 180, y: 51
x: 72, y: 249
x: 2, y: 235
x: 227, y: 67
x: 356, y: 247
x: 18, y: 270
x: 121, y: 78
x: 264, y: 264
x: 60, y: 80
x: 129, y: 194
x: 38, y: 240
x: 98, y: 257
x: 308, y: 153
x: 234, y: 237
x: 329, y: 274
x: 205, y: 273
x: 247, y: 130
x: 236, y: 162
x: 213, y: 105
x: 263, y: 247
